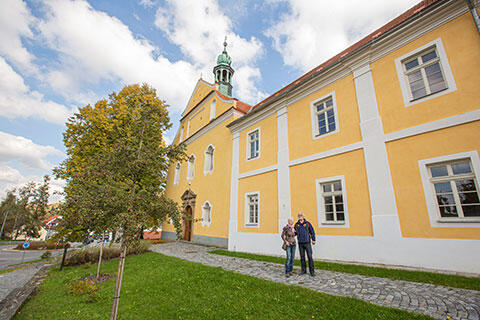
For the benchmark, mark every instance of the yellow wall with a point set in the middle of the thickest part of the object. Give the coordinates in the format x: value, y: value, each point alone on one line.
x: 462, y: 47
x: 268, y: 145
x: 266, y: 184
x: 304, y: 195
x: 404, y: 155
x: 300, y: 138
x: 201, y: 91
x: 214, y: 187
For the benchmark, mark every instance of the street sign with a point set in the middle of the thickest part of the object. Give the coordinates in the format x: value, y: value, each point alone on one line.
x: 27, y: 239
x: 26, y: 245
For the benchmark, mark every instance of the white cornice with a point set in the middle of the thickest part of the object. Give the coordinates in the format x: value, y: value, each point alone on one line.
x: 220, y: 119
x: 384, y: 44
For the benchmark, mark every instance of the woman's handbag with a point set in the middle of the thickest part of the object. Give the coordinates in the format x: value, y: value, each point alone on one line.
x: 284, y: 247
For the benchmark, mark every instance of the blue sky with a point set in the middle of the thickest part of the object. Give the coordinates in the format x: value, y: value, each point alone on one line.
x: 59, y: 55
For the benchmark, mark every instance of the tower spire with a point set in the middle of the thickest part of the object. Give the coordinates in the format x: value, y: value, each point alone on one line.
x: 223, y: 72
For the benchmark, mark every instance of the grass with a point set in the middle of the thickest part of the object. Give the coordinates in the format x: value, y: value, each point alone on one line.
x: 161, y: 287
x: 472, y: 283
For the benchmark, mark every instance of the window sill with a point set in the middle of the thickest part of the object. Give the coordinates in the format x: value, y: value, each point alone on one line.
x: 252, y: 225
x: 459, y: 220
x: 333, y: 222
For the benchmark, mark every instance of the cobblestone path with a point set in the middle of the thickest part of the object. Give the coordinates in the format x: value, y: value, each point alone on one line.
x: 432, y: 300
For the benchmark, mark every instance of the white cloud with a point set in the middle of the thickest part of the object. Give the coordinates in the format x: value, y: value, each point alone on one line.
x: 199, y: 28
x: 15, y: 22
x: 18, y: 101
x: 314, y: 31
x: 94, y: 46
x: 30, y: 154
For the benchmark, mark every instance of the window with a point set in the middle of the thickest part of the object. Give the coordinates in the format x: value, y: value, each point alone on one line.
x: 206, y: 214
x: 191, y: 167
x: 253, y: 144
x: 252, y: 209
x: 324, y: 116
x: 181, y: 134
x: 456, y: 189
x: 451, y: 189
x: 424, y: 73
x: 212, y: 109
x: 176, y: 179
x: 209, y: 160
x: 332, y: 202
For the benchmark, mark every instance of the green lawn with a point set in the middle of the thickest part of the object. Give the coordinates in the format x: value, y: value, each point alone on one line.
x: 161, y: 287
x: 395, y: 274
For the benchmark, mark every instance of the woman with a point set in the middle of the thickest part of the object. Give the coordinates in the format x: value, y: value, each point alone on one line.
x: 288, y: 236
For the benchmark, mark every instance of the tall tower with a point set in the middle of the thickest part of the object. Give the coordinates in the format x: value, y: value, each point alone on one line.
x: 223, y: 72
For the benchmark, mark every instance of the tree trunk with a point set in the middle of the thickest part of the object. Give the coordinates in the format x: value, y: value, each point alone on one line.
x: 100, y: 256
x: 118, y: 284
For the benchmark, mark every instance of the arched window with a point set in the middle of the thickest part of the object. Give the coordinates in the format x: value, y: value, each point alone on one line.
x: 206, y: 214
x: 191, y: 167
x: 224, y: 77
x: 209, y: 159
x: 212, y: 109
x: 176, y: 179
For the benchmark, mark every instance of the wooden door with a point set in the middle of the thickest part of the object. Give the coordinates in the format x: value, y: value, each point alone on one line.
x: 188, y: 225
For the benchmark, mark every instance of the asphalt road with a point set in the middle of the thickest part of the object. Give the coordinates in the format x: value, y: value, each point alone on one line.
x: 9, y: 257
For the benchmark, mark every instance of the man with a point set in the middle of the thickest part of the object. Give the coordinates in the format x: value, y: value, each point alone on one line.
x: 305, y: 234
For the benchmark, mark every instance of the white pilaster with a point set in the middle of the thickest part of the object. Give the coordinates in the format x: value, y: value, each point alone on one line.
x: 382, y: 199
x: 284, y: 208
x: 232, y: 225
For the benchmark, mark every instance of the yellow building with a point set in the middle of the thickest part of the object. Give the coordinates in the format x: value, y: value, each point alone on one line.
x: 378, y: 146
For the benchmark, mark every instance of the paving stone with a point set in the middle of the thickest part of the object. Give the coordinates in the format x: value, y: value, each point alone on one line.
x: 435, y: 301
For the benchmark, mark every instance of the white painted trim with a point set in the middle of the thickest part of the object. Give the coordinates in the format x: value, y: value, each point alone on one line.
x: 434, y: 125
x: 321, y: 206
x: 410, y: 252
x: 233, y: 222
x: 248, y: 144
x: 205, y: 171
x: 435, y: 220
x: 205, y: 223
x: 444, y: 65
x: 190, y: 177
x: 247, y: 213
x: 257, y: 171
x: 283, y: 172
x: 326, y: 154
x: 181, y: 133
x: 313, y: 117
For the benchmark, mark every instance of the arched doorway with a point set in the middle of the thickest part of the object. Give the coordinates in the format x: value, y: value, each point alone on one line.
x: 187, y: 230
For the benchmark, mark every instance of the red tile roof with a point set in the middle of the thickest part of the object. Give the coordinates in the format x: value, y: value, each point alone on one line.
x: 387, y: 27
x: 242, y: 106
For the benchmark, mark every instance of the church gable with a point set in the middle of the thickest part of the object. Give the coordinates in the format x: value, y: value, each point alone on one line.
x: 201, y: 91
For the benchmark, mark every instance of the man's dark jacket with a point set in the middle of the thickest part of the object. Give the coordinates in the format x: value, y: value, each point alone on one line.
x: 305, y: 231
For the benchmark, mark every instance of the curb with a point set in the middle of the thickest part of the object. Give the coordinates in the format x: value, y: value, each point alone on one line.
x: 15, y: 299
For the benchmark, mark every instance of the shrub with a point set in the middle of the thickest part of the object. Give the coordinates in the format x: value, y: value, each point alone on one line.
x: 47, y: 254
x: 91, y: 254
x: 157, y: 241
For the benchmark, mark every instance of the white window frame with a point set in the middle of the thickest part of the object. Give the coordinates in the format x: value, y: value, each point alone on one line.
x: 430, y: 195
x: 247, y: 211
x: 176, y: 177
x: 321, y: 204
x: 205, y: 169
x: 213, y: 105
x: 204, y: 221
x: 248, y: 144
x: 191, y: 168
x: 181, y: 133
x: 444, y: 65
x: 313, y: 113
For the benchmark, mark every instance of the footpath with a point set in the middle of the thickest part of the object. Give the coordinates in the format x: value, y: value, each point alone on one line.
x: 435, y: 301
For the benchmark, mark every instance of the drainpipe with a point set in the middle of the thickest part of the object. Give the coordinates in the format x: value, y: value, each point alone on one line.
x: 474, y: 12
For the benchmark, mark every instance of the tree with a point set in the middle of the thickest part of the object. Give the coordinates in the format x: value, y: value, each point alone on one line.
x: 116, y: 167
x: 26, y: 210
